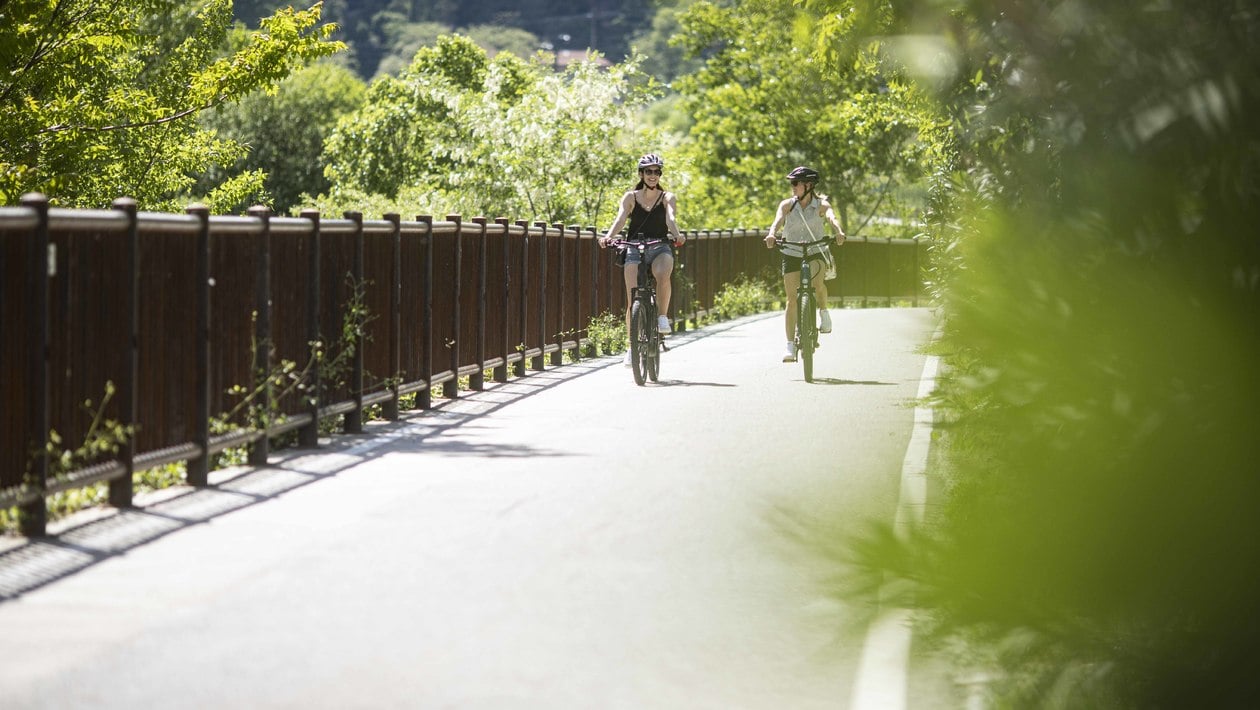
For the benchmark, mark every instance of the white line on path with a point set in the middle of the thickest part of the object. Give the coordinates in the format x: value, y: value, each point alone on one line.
x: 882, y: 678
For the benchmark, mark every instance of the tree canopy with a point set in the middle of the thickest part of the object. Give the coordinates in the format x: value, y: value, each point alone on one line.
x: 108, y: 94
x: 763, y: 103
x: 461, y: 131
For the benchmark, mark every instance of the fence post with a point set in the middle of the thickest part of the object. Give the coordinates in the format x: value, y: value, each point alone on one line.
x: 450, y: 388
x: 477, y: 381
x: 501, y: 372
x: 424, y: 400
x: 261, y: 447
x: 121, y: 489
x: 574, y: 265
x: 389, y: 408
x: 34, y: 515
x: 523, y: 319
x: 917, y: 275
x: 199, y: 467
x: 680, y: 300
x: 557, y: 356
x: 538, y: 362
x: 594, y: 288
x: 889, y: 249
x: 308, y: 436
x: 352, y: 422
x: 866, y: 268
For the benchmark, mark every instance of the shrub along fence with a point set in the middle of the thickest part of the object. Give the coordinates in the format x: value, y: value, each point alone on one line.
x: 190, y: 334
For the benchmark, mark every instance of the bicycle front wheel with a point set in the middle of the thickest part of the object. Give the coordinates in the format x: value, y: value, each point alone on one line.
x: 654, y: 348
x: 807, y: 332
x: 639, y: 341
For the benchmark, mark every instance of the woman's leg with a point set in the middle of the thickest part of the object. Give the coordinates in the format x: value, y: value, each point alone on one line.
x: 819, y: 278
x: 631, y: 273
x: 791, y: 284
x: 662, y: 269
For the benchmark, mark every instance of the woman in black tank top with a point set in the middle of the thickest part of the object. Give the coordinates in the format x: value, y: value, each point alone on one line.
x: 650, y: 212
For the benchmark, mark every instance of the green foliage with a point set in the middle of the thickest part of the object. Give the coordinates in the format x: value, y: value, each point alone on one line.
x: 607, y: 333
x: 1101, y: 279
x: 475, y: 135
x: 763, y: 103
x: 742, y: 297
x: 102, y: 440
x: 108, y: 93
x: 284, y: 132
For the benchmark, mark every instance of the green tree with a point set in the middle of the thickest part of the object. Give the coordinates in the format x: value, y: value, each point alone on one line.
x: 1099, y: 539
x: 763, y: 103
x: 664, y: 57
x: 461, y: 131
x: 496, y: 38
x: 559, y: 152
x: 285, y: 132
x: 107, y: 95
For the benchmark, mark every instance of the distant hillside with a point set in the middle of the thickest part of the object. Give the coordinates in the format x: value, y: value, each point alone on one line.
x: 373, y: 28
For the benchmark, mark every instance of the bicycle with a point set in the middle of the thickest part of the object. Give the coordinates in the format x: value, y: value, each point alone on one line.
x: 646, y: 343
x: 806, y: 306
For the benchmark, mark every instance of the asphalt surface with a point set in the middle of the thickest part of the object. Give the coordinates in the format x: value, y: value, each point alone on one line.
x: 563, y: 540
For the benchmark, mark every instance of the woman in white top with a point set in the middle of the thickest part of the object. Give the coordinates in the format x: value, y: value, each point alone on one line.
x: 801, y: 217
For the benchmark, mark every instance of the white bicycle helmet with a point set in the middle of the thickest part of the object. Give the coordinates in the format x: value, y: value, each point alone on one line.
x: 650, y: 160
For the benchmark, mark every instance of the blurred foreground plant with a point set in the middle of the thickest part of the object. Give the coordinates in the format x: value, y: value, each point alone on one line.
x: 1099, y: 536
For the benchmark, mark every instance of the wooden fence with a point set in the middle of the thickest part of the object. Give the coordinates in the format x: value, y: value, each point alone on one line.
x: 182, y: 313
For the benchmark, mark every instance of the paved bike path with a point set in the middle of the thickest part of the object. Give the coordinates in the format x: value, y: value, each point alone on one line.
x: 514, y: 548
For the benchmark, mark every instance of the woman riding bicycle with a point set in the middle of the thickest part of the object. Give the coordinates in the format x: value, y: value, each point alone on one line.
x: 650, y: 210
x: 801, y: 217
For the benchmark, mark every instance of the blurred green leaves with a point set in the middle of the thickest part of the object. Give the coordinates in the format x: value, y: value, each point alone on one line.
x: 1101, y: 275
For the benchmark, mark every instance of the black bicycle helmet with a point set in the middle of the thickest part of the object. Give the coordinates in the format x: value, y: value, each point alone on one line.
x: 650, y: 160
x: 804, y: 174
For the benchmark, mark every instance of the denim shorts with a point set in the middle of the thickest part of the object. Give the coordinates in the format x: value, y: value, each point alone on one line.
x: 634, y: 256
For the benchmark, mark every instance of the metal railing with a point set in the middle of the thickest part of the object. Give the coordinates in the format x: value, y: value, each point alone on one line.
x: 181, y: 313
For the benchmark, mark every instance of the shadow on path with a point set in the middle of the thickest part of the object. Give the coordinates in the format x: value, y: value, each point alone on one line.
x: 95, y: 535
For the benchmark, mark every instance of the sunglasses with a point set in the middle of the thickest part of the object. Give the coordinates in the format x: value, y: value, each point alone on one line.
x: 652, y: 172
x: 796, y: 182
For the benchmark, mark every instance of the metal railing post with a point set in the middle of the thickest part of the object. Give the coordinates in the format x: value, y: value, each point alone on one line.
x: 538, y: 362
x: 121, y: 489
x: 34, y: 515
x: 263, y: 346
x: 424, y: 399
x: 389, y: 408
x: 477, y: 381
x: 523, y: 315
x: 505, y: 282
x: 308, y: 435
x: 450, y: 388
x: 352, y: 422
x: 199, y: 466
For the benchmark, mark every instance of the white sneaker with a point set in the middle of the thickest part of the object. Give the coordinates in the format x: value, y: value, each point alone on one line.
x: 824, y: 322
x: 625, y: 361
x: 662, y: 325
x: 789, y: 355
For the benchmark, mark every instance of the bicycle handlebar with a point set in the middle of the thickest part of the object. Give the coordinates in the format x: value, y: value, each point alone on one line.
x: 780, y: 242
x: 619, y: 243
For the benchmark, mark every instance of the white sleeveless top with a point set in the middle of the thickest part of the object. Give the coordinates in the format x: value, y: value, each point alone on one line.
x: 803, y: 224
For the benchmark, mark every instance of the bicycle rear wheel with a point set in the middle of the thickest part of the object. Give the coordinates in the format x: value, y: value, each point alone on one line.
x: 807, y: 331
x: 639, y: 341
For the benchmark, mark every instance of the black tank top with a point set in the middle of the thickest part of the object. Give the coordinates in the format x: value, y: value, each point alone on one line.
x: 649, y: 223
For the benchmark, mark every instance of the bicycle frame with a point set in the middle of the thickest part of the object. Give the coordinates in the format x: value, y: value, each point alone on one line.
x: 646, y: 344
x: 806, y: 339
